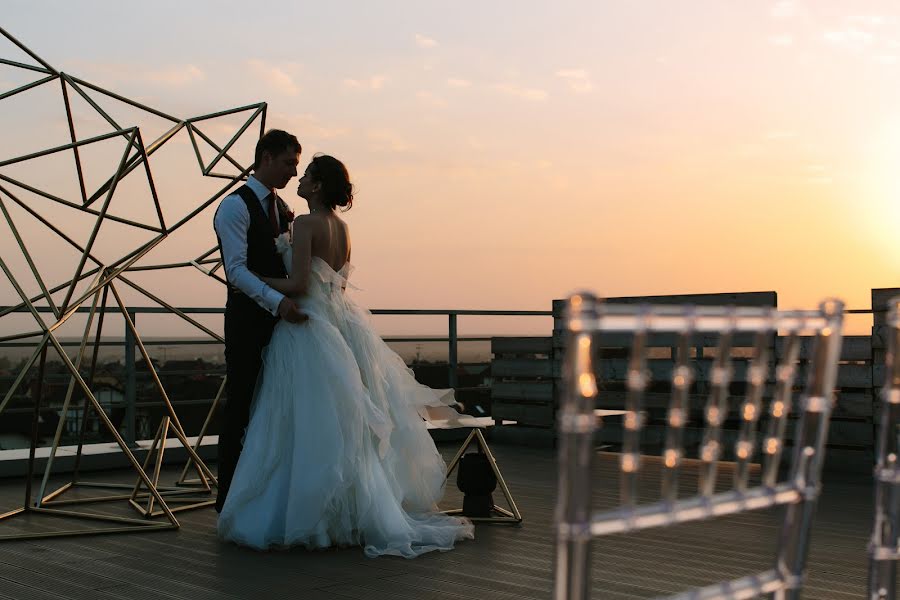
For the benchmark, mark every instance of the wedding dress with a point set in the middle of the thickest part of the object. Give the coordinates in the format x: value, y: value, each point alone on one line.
x: 336, y: 452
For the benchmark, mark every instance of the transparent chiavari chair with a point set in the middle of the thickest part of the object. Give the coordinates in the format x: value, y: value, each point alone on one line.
x: 578, y: 523
x: 884, y: 547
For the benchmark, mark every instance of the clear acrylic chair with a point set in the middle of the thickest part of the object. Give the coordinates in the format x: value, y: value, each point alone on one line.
x: 586, y: 321
x: 884, y: 546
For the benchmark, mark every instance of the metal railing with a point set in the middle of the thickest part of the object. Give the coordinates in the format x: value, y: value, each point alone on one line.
x: 453, y: 339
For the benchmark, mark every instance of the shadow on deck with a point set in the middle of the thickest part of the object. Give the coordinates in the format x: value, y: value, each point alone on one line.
x: 503, y: 561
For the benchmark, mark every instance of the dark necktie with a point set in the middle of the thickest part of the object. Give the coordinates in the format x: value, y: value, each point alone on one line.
x: 273, y: 216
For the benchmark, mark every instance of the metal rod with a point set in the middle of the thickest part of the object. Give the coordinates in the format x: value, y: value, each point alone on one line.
x: 99, y: 222
x: 68, y: 399
x: 34, y: 427
x: 122, y: 132
x: 243, y: 170
x: 112, y: 429
x: 84, y: 410
x: 27, y: 255
x: 576, y: 438
x: 27, y: 51
x: 128, y: 101
x: 206, y: 422
x: 73, y: 137
x: 27, y: 86
x: 884, y: 544
x: 13, y: 63
x: 679, y: 410
x: 144, y: 156
x: 130, y: 385
x: 637, y: 381
x: 233, y: 139
x: 179, y: 430
x: 809, y: 447
x: 72, y: 82
x: 716, y: 411
x: 174, y: 310
x: 745, y: 447
x: 20, y: 336
x: 23, y: 372
x: 454, y: 362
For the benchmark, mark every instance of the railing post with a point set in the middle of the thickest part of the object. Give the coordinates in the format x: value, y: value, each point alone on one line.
x: 130, y: 385
x: 454, y: 360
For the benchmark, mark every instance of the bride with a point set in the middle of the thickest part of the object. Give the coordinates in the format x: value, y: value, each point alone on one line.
x: 336, y: 452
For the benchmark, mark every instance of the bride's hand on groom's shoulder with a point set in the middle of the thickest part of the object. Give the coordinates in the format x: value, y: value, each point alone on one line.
x: 289, y: 311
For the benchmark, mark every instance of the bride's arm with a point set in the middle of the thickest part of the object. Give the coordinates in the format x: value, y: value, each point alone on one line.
x: 298, y: 279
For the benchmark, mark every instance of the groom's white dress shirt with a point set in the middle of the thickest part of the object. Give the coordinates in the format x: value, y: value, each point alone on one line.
x: 231, y: 223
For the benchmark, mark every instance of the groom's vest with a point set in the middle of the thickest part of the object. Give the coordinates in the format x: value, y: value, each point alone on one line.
x: 262, y: 257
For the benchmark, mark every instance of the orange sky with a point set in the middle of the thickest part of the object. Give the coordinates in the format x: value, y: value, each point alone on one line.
x: 505, y: 160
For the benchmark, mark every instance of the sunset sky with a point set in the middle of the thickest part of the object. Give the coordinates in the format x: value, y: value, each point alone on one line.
x: 508, y: 153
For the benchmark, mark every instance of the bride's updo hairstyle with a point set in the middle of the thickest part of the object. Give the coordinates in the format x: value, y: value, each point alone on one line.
x: 336, y: 187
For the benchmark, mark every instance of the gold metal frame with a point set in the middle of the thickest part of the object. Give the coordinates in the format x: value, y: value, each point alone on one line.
x: 504, y: 516
x: 104, y: 278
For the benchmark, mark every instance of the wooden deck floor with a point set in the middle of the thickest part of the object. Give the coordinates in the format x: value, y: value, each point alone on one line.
x: 503, y: 562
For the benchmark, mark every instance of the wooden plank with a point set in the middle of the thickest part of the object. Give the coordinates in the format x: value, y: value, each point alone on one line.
x: 531, y: 413
x: 857, y: 376
x: 616, y: 369
x: 881, y: 298
x: 879, y: 372
x: 522, y: 390
x: 853, y: 348
x: 851, y: 433
x: 854, y: 404
x: 659, y: 340
x: 521, y: 345
x: 723, y: 299
x: 849, y: 375
x: 522, y: 367
x: 650, y: 401
x: 880, y: 336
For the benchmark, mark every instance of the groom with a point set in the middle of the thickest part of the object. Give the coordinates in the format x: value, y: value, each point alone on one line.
x: 247, y: 223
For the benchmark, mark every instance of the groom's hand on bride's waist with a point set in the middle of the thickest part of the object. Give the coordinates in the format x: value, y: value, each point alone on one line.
x: 289, y: 311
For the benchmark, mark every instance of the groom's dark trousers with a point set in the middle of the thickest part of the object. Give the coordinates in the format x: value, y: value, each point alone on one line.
x: 246, y: 334
x: 248, y: 328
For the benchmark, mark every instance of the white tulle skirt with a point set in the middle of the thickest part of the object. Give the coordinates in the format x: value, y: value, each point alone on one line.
x: 336, y: 452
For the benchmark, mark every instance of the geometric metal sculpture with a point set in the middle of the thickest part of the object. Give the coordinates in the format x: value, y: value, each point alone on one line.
x: 884, y: 546
x: 103, y: 280
x: 586, y: 321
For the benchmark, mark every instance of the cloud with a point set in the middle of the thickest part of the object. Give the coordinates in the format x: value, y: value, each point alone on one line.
x: 850, y: 38
x: 533, y: 94
x: 784, y: 9
x: 431, y: 99
x: 116, y: 73
x: 306, y: 125
x: 458, y: 83
x: 425, y: 42
x: 373, y: 83
x: 783, y: 39
x: 176, y: 75
x: 384, y: 139
x: 870, y: 21
x: 578, y: 79
x: 273, y: 76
